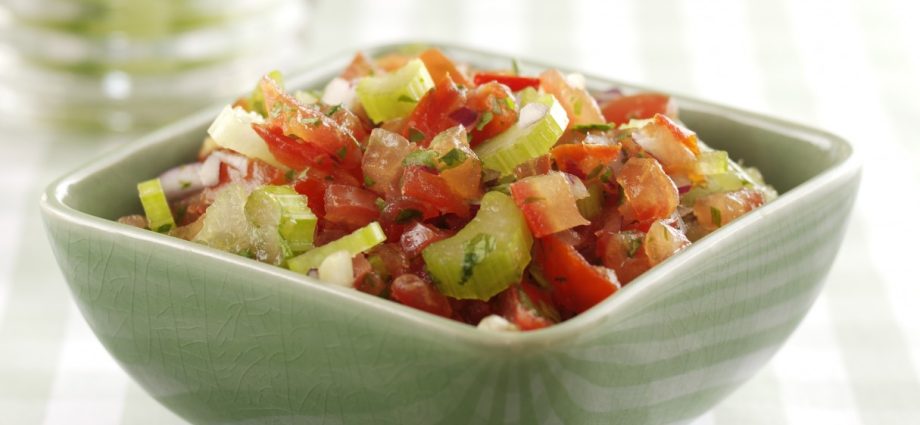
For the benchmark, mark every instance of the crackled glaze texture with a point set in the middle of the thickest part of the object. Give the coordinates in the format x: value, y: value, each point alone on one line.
x: 222, y: 339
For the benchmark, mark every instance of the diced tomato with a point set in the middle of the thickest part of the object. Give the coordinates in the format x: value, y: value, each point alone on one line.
x: 349, y: 121
x: 577, y: 285
x: 419, y: 236
x: 578, y: 103
x: 649, y: 193
x: 547, y: 203
x: 585, y: 160
x: 641, y: 106
x: 349, y: 205
x: 526, y: 306
x: 291, y: 152
x: 439, y: 66
x: 313, y: 184
x: 392, y: 61
x: 534, y: 167
x: 382, y: 162
x: 311, y: 126
x: 432, y: 113
x: 360, y: 66
x: 429, y: 188
x: 494, y: 103
x: 623, y: 252
x: 470, y: 311
x: 671, y: 144
x: 514, y: 82
x: 463, y: 179
x: 718, y: 209
x: 412, y: 291
x: 391, y: 258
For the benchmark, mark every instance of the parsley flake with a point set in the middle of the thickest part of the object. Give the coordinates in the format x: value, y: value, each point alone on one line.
x: 632, y: 246
x: 422, y: 157
x: 484, y: 120
x: 368, y: 181
x: 453, y: 158
x: 341, y: 153
x: 334, y: 109
x: 584, y: 128
x: 474, y: 252
x: 415, y: 135
x: 515, y: 68
x: 716, y: 216
x: 407, y: 99
x: 408, y: 215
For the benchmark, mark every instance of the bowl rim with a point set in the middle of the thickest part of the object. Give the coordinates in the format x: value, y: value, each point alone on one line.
x: 55, y: 207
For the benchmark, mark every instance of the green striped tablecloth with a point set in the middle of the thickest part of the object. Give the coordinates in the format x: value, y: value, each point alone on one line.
x: 850, y: 66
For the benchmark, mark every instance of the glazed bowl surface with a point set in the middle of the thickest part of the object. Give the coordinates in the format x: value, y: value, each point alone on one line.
x: 219, y: 338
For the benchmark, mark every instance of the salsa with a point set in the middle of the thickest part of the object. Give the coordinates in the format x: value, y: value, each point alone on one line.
x: 503, y: 200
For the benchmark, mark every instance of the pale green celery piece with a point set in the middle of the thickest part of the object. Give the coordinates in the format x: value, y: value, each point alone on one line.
x: 591, y: 206
x: 356, y: 242
x: 734, y: 178
x: 519, y: 144
x: 156, y: 208
x: 486, y: 256
x: 257, y: 98
x: 528, y: 95
x: 282, y: 208
x: 394, y: 95
x: 712, y: 162
x: 227, y: 228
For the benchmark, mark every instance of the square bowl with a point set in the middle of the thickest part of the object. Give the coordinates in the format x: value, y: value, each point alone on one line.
x: 219, y: 338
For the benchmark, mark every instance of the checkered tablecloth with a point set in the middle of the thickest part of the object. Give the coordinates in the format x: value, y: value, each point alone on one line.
x: 851, y: 66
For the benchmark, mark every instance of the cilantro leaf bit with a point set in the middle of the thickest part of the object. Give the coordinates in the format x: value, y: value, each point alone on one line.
x: 407, y: 99
x: 408, y: 215
x: 312, y: 121
x: 632, y: 246
x: 584, y: 128
x: 474, y: 251
x: 515, y: 68
x: 716, y: 216
x: 369, y: 182
x: 341, y: 153
x: 415, y: 135
x: 334, y: 109
x: 422, y: 157
x: 484, y: 120
x: 454, y: 158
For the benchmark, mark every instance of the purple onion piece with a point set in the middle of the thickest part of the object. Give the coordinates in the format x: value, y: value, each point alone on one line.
x: 608, y: 95
x: 684, y: 189
x: 464, y: 116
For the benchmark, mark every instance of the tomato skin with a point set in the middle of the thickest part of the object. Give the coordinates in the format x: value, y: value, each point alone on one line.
x: 514, y: 82
x: 582, y: 160
x: 432, y: 113
x: 419, y: 236
x: 412, y: 291
x: 429, y: 188
x: 289, y: 151
x: 440, y: 67
x: 577, y: 285
x: 649, y: 193
x: 313, y: 184
x: 350, y: 206
x: 639, y: 106
x: 547, y: 203
x: 496, y: 100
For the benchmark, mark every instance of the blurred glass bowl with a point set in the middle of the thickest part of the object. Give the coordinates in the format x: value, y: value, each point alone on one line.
x: 128, y: 65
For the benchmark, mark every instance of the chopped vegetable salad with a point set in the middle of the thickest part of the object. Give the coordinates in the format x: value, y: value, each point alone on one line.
x: 498, y: 199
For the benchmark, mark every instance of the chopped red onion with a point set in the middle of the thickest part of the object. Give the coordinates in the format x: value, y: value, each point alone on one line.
x: 683, y: 189
x: 464, y: 116
x: 607, y: 95
x: 239, y: 162
x: 181, y: 181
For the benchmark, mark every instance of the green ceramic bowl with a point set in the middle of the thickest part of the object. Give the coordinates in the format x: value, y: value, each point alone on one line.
x: 219, y: 338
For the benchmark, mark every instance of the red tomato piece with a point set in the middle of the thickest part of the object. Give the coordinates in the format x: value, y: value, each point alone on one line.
x: 584, y: 160
x: 291, y: 152
x: 360, y: 66
x: 547, y: 203
x: 577, y: 285
x: 313, y: 184
x: 639, y: 106
x: 578, y: 103
x: 419, y: 236
x: 494, y: 103
x: 624, y: 252
x: 526, y: 306
x: 514, y: 82
x: 470, y: 311
x: 349, y: 205
x: 650, y: 194
x: 440, y: 67
x: 432, y: 113
x: 429, y: 188
x: 412, y: 291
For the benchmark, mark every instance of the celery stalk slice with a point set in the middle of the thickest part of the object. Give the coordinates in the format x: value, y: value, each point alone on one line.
x: 358, y: 241
x: 232, y: 129
x: 284, y: 208
x: 486, y: 256
x: 592, y: 206
x: 156, y: 208
x: 394, y: 95
x: 528, y: 139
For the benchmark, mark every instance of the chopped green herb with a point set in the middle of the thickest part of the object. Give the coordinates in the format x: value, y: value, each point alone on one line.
x: 474, y: 252
x: 484, y: 120
x: 310, y: 121
x: 509, y: 102
x: 380, y: 203
x: 415, y: 135
x: 185, y: 184
x: 532, y: 199
x: 408, y: 215
x: 341, y: 153
x: 423, y: 157
x: 496, y: 107
x: 515, y: 68
x: 453, y: 158
x: 368, y: 181
x: 633, y: 245
x: 334, y: 109
x: 716, y: 216
x: 164, y: 228
x: 596, y: 171
x: 607, y: 175
x: 289, y: 175
x: 584, y: 128
x: 407, y: 99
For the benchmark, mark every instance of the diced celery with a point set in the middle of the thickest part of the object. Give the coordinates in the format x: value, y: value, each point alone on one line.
x: 540, y: 125
x: 233, y: 130
x: 358, y: 241
x: 712, y: 162
x: 394, y: 95
x: 486, y: 256
x: 156, y: 208
x: 226, y: 227
x: 283, y: 208
x: 528, y: 95
x: 257, y: 98
x: 733, y: 178
x: 590, y: 207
